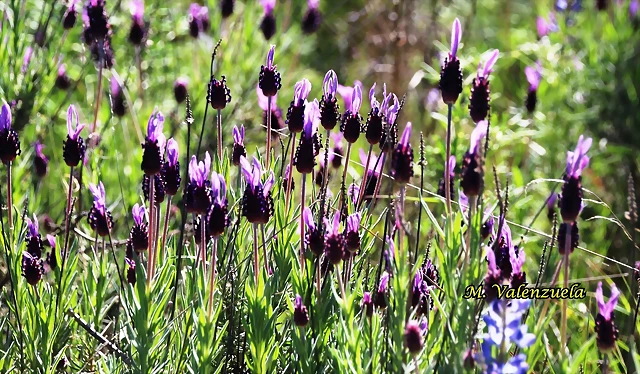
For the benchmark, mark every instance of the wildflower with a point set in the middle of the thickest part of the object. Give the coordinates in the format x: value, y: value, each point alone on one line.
x: 606, y: 330
x: 96, y: 21
x: 450, y: 167
x: 542, y: 26
x: 425, y: 280
x: 551, y: 205
x: 479, y: 101
x: 180, y: 90
x: 52, y: 259
x: 219, y: 93
x: 197, y: 194
x: 352, y: 234
x: 74, y: 148
x: 334, y: 241
x: 562, y: 237
x: 152, y: 156
x: 450, y: 73
x: 390, y: 134
x: 374, y: 125
x: 571, y: 196
x: 9, y: 142
x: 257, y: 203
x: 131, y: 271
x: 158, y: 188
x: 300, y: 313
x: 138, y: 32
x: 351, y: 120
x: 329, y: 108
x: 295, y: 113
x: 238, y: 145
x: 268, y: 23
x: 226, y: 8
x: 171, y: 169
x: 471, y: 178
x: 139, y: 235
x: 493, y: 277
x: 276, y: 113
x: 40, y: 161
x: 380, y: 297
x: 312, y: 18
x: 313, y: 235
x: 217, y: 218
x: 367, y: 304
x: 518, y: 276
x: 70, y: 15
x: 309, y: 146
x: 33, y: 239
x: 335, y: 157
x: 32, y: 268
x: 118, y: 101
x: 533, y: 77
x: 62, y: 79
x: 413, y: 337
x: 402, y: 158
x: 100, y: 218
x: 504, y: 327
x: 269, y: 81
x: 198, y: 20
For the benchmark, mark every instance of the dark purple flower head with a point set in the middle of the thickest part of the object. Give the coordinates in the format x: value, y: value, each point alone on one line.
x: 194, y: 18
x: 296, y: 111
x: 571, y: 197
x: 471, y: 180
x: 450, y: 73
x: 62, y: 79
x: 219, y: 93
x: 329, y: 108
x: 402, y: 158
x: 33, y: 239
x: 118, y: 100
x: 578, y: 160
x: 52, y: 259
x: 390, y: 134
x: 171, y: 169
x: 131, y: 271
x: 268, y: 23
x: 32, y: 268
x: 198, y: 191
x: 9, y: 142
x: 153, y: 154
x: 100, y: 218
x: 313, y: 235
x: 226, y: 8
x: 138, y: 236
x: 479, y: 101
x: 300, y: 313
x: 517, y: 258
x: 96, y: 21
x: 413, y: 337
x: 238, y: 145
x: 606, y: 330
x: 99, y: 197
x: 312, y: 18
x: 40, y: 161
x: 493, y: 277
x: 534, y: 75
x: 137, y: 32
x: 268, y: 6
x: 180, y: 90
x: 334, y: 241
x: 380, y: 296
x: 351, y: 120
x: 257, y: 203
x: 217, y: 219
x: 374, y: 124
x: 352, y: 234
x: 70, y: 15
x: 488, y: 223
x: 172, y: 152
x: 74, y: 148
x: 367, y: 304
x: 372, y: 174
x: 269, y: 80
x: 309, y: 146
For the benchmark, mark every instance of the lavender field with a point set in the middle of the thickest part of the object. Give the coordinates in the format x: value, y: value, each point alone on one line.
x: 319, y: 186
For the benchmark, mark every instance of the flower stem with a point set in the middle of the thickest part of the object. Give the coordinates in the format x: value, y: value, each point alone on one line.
x: 403, y: 192
x: 341, y: 285
x: 267, y: 267
x: 219, y: 125
x: 255, y: 254
x: 563, y: 326
x: 344, y: 176
x: 150, y: 250
x: 212, y: 275
x: 139, y: 66
x: 9, y: 200
x: 203, y: 240
x: 447, y: 175
x: 302, y: 196
x: 363, y: 186
x: 318, y: 266
x: 268, y: 151
x: 65, y: 248
x: 98, y: 96
x: 166, y: 223
x: 288, y: 194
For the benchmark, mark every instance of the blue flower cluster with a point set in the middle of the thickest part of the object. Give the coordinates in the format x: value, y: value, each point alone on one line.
x: 504, y: 326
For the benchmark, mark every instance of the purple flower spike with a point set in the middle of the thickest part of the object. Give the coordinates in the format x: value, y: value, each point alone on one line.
x: 247, y: 171
x: 484, y: 71
x: 606, y: 309
x: 172, y: 152
x: 238, y: 135
x: 633, y: 8
x: 534, y: 75
x: 406, y: 136
x: 272, y: 49
x: 335, y: 225
x: 330, y: 84
x: 268, y: 6
x: 138, y: 213
x: 268, y: 184
x: 298, y: 302
x: 384, y: 283
x: 99, y: 197
x: 456, y: 34
x: 301, y: 91
x: 308, y: 218
x: 578, y: 160
x: 39, y: 147
x: 5, y: 117
x: 72, y: 116
x: 478, y: 133
x: 199, y: 171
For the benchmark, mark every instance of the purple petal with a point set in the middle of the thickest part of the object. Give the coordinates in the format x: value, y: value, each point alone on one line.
x: 353, y: 222
x: 542, y: 26
x: 263, y: 101
x: 223, y: 189
x: 138, y: 213
x: 268, y: 6
x: 366, y: 298
x: 478, y: 133
x: 137, y: 10
x: 551, y: 200
x: 272, y: 49
x: 298, y: 302
x: 257, y: 171
x: 52, y: 241
x: 463, y: 201
x: 246, y: 170
x: 71, y: 116
x: 26, y: 59
x: 346, y: 93
x: 311, y: 114
x: 115, y: 86
x: 532, y: 77
x: 356, y: 99
x: 194, y: 173
x: 392, y: 111
x: 330, y: 84
x: 516, y: 259
x: 600, y: 300
x: 363, y: 157
x: 32, y: 226
x: 308, y: 218
x: 406, y: 136
x: 61, y: 70
x: 456, y: 34
x: 633, y: 8
x: 207, y: 165
x: 451, y: 165
x: 172, y: 152
x: 491, y: 258
x: 238, y: 136
x: 194, y: 10
x: 302, y: 89
x: 313, y: 4
x: 372, y: 97
x: 268, y: 184
x: 5, y: 117
x: 488, y: 66
x: 384, y: 283
x: 613, y: 300
x: 215, y: 185
x: 336, y: 223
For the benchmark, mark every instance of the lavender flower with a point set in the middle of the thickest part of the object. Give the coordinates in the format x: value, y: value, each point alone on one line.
x: 131, y: 271
x: 52, y: 258
x: 334, y: 241
x: 70, y: 15
x: 312, y: 18
x: 424, y: 282
x: 337, y: 154
x: 504, y: 327
x: 100, y: 218
x: 606, y: 330
x: 562, y: 237
x: 118, y: 101
x: 309, y: 146
x: 62, y: 79
x: 450, y: 73
x: 380, y: 297
x: 238, y: 145
x: 257, y: 203
x: 402, y: 158
x: 268, y: 23
x: 347, y: 92
x: 571, y: 196
x: 138, y: 31
x: 153, y: 147
x: 217, y: 219
x: 414, y: 337
x: 300, y: 313
x: 374, y: 125
x: 479, y: 101
x: 352, y: 234
x: 390, y: 133
x: 9, y: 142
x: 226, y: 8
x: 180, y: 90
x: 269, y: 80
x: 74, y: 148
x: 450, y: 168
x: 158, y: 186
x: 198, y: 20
x: 296, y: 111
x: 32, y: 268
x: 33, y: 239
x: 505, y: 251
x: 367, y: 304
x: 313, y: 235
x: 40, y: 161
x: 471, y: 180
x: 197, y: 194
x: 329, y: 108
x: 517, y: 258
x: 534, y: 75
x: 139, y: 236
x: 219, y: 93
x: 351, y: 126
x: 97, y: 32
x: 171, y: 169
x: 633, y: 8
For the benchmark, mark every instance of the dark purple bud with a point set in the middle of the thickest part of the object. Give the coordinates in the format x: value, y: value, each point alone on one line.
x: 352, y: 233
x: 309, y: 146
x: 40, y: 161
x: 562, y: 237
x: 32, y: 268
x: 180, y: 90
x: 226, y: 8
x: 138, y: 31
x: 312, y: 18
x: 602, y: 5
x: 269, y: 80
x: 479, y: 100
x: 153, y: 147
x: 139, y: 236
x: 257, y: 203
x: 493, y: 277
x: 314, y: 239
x: 413, y: 339
x: 100, y: 218
x: 118, y: 100
x: 9, y: 142
x: 334, y: 242
x: 367, y: 304
x: 62, y: 79
x: 468, y: 360
x: 70, y: 15
x: 351, y: 126
x: 571, y: 196
x: 33, y: 239
x: 300, y: 313
x: 217, y: 219
x: 131, y: 271
x: 295, y: 113
x: 96, y: 21
x: 219, y: 93
x: 158, y: 186
x: 450, y: 73
x: 268, y: 26
x: 197, y: 195
x: 606, y: 330
x: 171, y: 169
x: 52, y: 258
x: 471, y: 180
x: 402, y: 158
x: 238, y: 145
x: 329, y: 108
x: 380, y: 297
